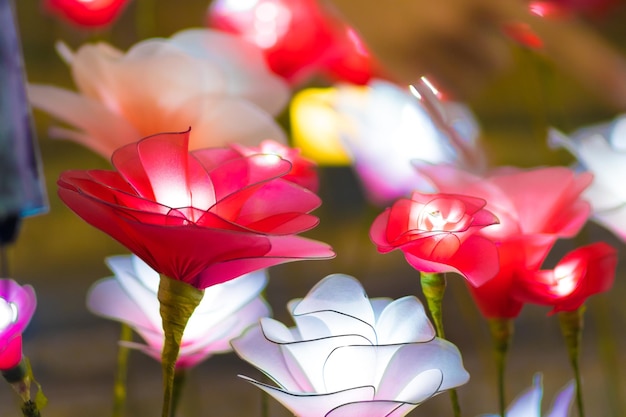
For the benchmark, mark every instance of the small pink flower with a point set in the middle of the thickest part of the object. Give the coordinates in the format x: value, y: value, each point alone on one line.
x: 17, y: 305
x: 581, y: 273
x: 437, y: 233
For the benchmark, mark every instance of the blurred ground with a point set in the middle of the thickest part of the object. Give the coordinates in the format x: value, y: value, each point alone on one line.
x: 73, y: 353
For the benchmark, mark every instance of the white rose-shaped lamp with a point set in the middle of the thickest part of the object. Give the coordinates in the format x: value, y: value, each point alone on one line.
x: 215, y: 83
x: 351, y: 356
x: 225, y: 311
x: 601, y: 149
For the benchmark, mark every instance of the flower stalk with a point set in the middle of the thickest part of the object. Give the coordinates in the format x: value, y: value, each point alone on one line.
x: 501, y: 334
x: 19, y: 378
x: 434, y: 288
x: 119, y: 389
x: 178, y: 300
x: 571, y: 323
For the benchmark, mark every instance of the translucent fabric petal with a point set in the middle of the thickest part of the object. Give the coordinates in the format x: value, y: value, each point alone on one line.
x: 312, y: 404
x: 404, y: 321
x: 341, y: 293
x: 376, y: 408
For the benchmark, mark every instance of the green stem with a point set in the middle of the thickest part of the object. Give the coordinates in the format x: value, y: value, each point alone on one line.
x: 19, y: 379
x: 180, y: 376
x: 29, y: 409
x: 434, y: 288
x: 571, y: 328
x: 178, y: 300
x: 119, y: 388
x: 501, y: 335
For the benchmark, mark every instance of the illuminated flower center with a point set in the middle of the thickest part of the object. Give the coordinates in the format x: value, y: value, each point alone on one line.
x: 565, y: 277
x: 8, y: 314
x: 443, y: 215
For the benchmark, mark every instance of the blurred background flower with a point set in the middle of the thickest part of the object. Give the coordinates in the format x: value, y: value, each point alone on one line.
x: 17, y: 306
x: 380, y: 129
x: 348, y: 355
x: 601, y: 150
x: 210, y: 80
x: 528, y: 404
x: 87, y: 13
x: 298, y: 37
x: 225, y: 311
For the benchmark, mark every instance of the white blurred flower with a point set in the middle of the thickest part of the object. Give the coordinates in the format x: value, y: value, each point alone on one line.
x: 601, y: 149
x: 382, y: 128
x: 528, y: 404
x: 215, y: 83
x: 348, y: 355
x: 225, y: 311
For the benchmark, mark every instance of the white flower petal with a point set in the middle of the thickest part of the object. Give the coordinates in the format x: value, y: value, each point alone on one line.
x: 310, y: 356
x: 107, y: 298
x: 315, y: 405
x: 563, y: 401
x: 340, y: 293
x: 250, y: 76
x: 268, y: 357
x: 356, y: 365
x: 372, y: 409
x: 106, y: 131
x: 528, y: 404
x: 411, y: 360
x: 404, y: 321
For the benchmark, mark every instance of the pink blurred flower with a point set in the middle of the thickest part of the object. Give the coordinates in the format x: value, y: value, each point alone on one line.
x: 17, y: 306
x: 570, y: 8
x: 225, y: 311
x: 581, y: 273
x: 299, y: 38
x: 87, y: 13
x: 213, y: 81
x: 351, y: 356
x: 535, y: 208
x: 438, y: 233
x: 203, y: 217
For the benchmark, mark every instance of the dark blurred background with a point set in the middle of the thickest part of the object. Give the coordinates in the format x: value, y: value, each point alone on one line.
x: 73, y: 353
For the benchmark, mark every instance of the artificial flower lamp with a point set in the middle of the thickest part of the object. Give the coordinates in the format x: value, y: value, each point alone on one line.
x: 601, y: 150
x: 17, y: 305
x: 349, y: 355
x: 87, y: 13
x: 213, y: 81
x: 298, y: 37
x: 581, y: 273
x: 225, y: 311
x: 303, y: 170
x: 438, y: 233
x: 381, y: 128
x: 528, y: 404
x: 201, y: 217
x: 535, y: 207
